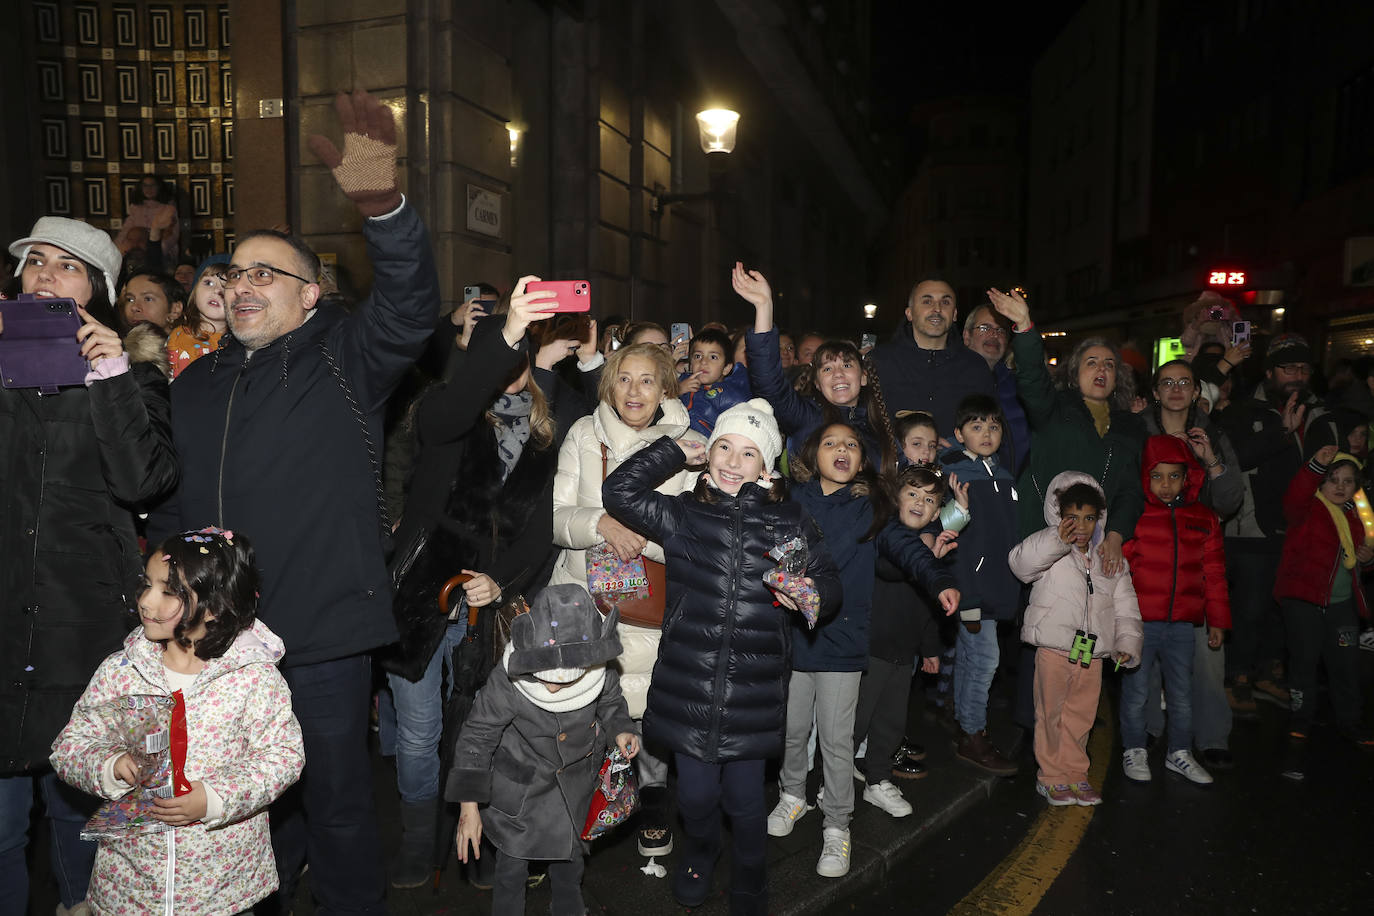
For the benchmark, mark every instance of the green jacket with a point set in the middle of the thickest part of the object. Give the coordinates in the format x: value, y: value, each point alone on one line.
x: 1063, y: 438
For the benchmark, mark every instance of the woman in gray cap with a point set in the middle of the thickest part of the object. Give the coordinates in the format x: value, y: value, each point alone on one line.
x: 74, y: 466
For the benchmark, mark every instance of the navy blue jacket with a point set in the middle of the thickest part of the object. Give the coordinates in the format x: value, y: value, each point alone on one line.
x: 719, y: 689
x: 931, y: 380
x: 905, y: 621
x: 980, y: 560
x: 271, y: 447
x: 799, y: 416
x: 841, y: 642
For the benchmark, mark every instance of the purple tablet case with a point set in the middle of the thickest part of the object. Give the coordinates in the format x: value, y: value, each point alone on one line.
x: 38, y: 346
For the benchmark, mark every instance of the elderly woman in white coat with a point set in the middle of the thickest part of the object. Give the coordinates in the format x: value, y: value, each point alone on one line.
x: 637, y: 404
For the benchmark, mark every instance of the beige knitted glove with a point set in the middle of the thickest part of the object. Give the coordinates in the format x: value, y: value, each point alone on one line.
x: 366, y: 170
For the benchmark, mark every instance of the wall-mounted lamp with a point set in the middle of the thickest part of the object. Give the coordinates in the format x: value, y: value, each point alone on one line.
x: 717, y: 128
x: 870, y: 310
x: 514, y: 145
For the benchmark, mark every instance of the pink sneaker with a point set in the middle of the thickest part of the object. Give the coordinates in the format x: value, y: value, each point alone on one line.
x: 1086, y: 795
x: 1057, y: 795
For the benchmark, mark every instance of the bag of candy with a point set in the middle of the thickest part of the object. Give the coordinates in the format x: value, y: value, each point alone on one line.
x: 142, y: 725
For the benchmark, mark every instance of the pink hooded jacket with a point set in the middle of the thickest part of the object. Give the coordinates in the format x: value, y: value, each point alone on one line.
x: 1060, y: 601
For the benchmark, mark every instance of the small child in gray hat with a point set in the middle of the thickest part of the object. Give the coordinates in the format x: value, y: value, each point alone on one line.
x: 527, y: 759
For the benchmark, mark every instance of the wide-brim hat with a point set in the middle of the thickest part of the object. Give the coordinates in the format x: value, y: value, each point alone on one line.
x: 562, y: 629
x: 92, y: 245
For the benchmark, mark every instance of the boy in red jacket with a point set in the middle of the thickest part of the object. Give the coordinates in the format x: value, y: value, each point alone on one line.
x: 1179, y: 572
x: 1318, y: 589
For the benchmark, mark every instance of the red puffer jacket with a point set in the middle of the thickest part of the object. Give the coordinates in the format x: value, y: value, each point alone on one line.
x: 1311, y: 547
x: 1176, y: 555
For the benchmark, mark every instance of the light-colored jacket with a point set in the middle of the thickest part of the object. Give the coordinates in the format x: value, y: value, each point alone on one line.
x: 242, y: 741
x: 577, y: 510
x: 1062, y: 601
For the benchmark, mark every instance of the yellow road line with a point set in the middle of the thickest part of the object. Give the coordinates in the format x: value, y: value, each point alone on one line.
x: 1015, y: 886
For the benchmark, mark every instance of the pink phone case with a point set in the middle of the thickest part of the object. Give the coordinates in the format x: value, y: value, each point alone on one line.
x: 573, y: 295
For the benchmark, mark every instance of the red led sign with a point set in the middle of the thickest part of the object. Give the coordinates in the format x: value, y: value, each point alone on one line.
x: 1226, y: 278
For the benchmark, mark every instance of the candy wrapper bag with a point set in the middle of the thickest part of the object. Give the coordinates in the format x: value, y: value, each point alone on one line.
x: 616, y: 796
x: 613, y: 580
x: 142, y: 726
x: 795, y: 587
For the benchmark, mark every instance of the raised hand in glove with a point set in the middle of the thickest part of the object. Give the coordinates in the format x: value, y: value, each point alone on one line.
x: 366, y: 170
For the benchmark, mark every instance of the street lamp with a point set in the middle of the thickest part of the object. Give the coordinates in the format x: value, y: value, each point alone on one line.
x: 870, y: 310
x: 717, y: 128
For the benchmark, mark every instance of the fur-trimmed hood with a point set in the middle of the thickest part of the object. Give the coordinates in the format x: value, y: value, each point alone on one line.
x: 147, y: 343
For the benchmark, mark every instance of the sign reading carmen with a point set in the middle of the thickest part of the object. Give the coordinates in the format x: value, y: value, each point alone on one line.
x: 484, y: 211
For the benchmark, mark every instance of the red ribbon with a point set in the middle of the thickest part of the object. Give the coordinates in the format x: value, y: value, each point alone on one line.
x: 179, y: 784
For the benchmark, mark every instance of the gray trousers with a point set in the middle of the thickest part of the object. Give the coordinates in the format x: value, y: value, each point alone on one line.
x: 831, y: 697
x: 651, y: 770
x: 1211, y: 712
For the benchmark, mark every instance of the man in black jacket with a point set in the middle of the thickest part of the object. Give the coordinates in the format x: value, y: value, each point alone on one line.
x: 924, y: 367
x: 279, y: 436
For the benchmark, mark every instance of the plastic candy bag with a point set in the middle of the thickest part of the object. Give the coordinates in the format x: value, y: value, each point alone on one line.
x: 616, y: 796
x: 143, y: 725
x: 612, y: 579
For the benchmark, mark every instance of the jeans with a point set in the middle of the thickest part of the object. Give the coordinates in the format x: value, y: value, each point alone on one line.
x: 565, y: 881
x: 829, y: 696
x: 67, y: 809
x: 329, y: 818
x: 1211, y: 712
x: 976, y: 663
x: 420, y: 721
x: 1169, y: 645
x: 1316, y: 635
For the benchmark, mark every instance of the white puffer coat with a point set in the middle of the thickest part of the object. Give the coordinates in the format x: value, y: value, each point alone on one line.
x: 577, y: 509
x: 1062, y: 601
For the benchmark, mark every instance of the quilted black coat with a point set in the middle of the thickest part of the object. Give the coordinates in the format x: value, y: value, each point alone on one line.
x: 719, y: 689
x: 74, y: 466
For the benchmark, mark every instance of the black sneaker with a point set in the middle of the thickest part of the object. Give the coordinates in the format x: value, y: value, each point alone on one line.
x: 654, y: 839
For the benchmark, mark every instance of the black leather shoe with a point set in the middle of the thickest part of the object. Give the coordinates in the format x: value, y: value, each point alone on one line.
x: 905, y: 768
x: 911, y: 750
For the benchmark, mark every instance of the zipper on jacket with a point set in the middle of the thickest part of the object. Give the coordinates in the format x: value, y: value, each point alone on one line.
x: 224, y: 447
x: 723, y: 658
x: 1173, y: 585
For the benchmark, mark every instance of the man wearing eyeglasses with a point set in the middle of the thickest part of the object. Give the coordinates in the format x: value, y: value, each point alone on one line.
x: 279, y: 436
x: 988, y: 334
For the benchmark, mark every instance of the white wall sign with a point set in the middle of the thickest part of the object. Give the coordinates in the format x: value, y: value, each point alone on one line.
x: 484, y: 211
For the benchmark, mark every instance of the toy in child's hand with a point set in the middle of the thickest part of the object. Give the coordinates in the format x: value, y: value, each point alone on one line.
x: 798, y: 591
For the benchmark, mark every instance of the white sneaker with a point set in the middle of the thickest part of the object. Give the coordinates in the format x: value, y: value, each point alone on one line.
x: 834, y: 860
x: 785, y: 814
x: 1367, y: 639
x: 1182, y: 763
x: 1136, y: 763
x: 888, y: 797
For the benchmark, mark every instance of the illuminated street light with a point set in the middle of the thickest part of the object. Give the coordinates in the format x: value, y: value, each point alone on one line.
x: 717, y: 127
x: 870, y: 310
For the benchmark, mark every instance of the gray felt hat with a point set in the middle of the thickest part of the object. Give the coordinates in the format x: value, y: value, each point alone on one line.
x: 563, y: 629
x: 92, y: 245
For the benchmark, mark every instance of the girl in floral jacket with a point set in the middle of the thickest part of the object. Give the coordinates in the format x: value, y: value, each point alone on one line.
x: 200, y: 644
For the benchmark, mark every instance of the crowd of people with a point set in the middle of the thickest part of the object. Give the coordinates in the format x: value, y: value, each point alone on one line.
x: 522, y: 544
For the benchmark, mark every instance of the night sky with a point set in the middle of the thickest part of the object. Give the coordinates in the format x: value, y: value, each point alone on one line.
x: 924, y: 51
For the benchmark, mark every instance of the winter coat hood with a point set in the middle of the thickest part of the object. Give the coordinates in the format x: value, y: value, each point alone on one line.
x: 255, y: 645
x: 1063, y: 481
x: 1166, y: 449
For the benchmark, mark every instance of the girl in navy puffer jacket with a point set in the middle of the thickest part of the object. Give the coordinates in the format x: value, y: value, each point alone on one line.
x: 719, y: 689
x: 841, y: 492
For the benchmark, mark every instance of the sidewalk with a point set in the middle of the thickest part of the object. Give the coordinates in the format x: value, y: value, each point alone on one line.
x: 615, y: 885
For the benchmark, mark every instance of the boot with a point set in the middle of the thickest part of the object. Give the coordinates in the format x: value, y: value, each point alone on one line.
x: 748, y: 889
x: 655, y: 836
x: 696, y: 865
x: 415, y: 861
x: 978, y: 750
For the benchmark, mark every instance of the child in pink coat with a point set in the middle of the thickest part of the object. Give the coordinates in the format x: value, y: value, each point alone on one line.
x: 200, y: 644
